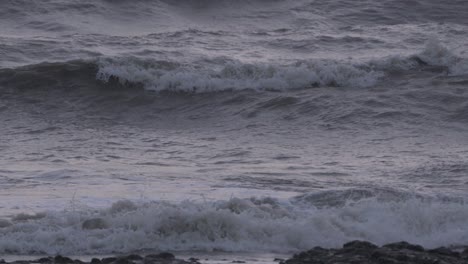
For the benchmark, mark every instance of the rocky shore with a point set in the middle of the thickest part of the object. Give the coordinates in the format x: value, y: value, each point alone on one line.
x: 355, y: 252
x: 361, y: 252
x: 161, y: 258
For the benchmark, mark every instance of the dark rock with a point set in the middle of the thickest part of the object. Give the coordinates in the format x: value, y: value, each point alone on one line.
x: 359, y: 244
x: 134, y: 257
x: 313, y: 253
x: 108, y: 260
x: 316, y: 251
x: 444, y: 251
x: 355, y: 252
x: 161, y: 258
x: 359, y: 252
x: 465, y: 252
x: 95, y: 261
x: 356, y: 248
x: 278, y: 260
x: 59, y: 259
x: 123, y: 261
x: 402, y: 257
x: 166, y: 255
x: 44, y: 260
x: 163, y: 255
x: 21, y: 262
x: 404, y: 245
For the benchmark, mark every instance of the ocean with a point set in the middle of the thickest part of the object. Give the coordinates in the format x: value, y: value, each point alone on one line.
x: 231, y: 126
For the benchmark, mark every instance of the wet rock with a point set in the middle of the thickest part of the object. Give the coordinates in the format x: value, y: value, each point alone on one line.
x: 21, y: 262
x: 62, y: 260
x: 108, y: 260
x: 166, y: 255
x: 355, y: 252
x: 404, y: 245
x: 44, y: 260
x: 161, y: 258
x: 316, y: 252
x: 163, y: 255
x: 366, y: 253
x: 359, y: 244
x: 444, y: 251
x: 357, y: 248
x: 134, y: 257
x: 95, y: 261
x: 123, y: 261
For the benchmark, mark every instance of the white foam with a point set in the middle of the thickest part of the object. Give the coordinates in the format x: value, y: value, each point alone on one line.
x: 235, y: 75
x: 238, y: 225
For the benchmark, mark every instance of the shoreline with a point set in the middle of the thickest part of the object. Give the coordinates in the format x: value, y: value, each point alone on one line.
x: 353, y: 252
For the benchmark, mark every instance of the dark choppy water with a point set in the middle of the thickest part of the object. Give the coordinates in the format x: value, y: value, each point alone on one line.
x: 162, y: 119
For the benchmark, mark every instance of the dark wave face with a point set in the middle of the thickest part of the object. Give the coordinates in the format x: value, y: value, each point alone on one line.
x: 132, y: 126
x: 382, y: 93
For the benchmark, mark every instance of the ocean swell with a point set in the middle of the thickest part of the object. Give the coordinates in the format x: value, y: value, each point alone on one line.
x: 226, y: 74
x: 234, y: 75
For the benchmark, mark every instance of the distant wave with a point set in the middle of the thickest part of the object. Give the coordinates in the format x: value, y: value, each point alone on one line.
x: 225, y: 74
x: 235, y: 75
x: 380, y: 12
x: 240, y: 225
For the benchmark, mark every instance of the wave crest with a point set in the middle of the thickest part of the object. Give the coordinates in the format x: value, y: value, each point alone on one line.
x: 223, y: 74
x: 235, y: 75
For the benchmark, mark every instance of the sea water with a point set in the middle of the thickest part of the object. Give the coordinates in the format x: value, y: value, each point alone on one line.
x: 242, y: 127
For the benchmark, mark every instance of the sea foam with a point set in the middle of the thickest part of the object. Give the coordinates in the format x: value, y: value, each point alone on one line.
x: 238, y: 225
x: 235, y: 75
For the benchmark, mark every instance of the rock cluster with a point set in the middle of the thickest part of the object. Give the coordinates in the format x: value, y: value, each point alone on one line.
x: 161, y: 258
x: 355, y: 252
x: 361, y: 252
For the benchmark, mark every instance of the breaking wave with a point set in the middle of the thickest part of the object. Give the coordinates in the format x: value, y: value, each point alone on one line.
x: 238, y: 225
x: 224, y: 74
x: 237, y: 76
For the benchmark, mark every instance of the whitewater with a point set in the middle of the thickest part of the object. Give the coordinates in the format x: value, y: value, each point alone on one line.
x: 249, y: 126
